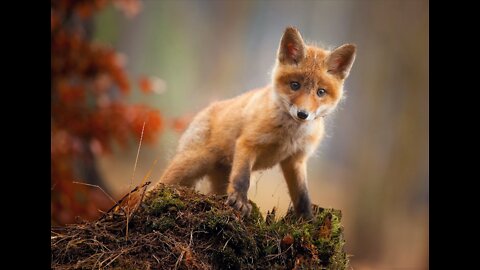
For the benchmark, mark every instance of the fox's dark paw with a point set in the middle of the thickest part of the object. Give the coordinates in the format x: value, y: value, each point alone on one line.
x: 303, y: 207
x: 240, y: 202
x: 305, y: 214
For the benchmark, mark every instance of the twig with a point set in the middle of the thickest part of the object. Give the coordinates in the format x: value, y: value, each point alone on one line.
x: 138, y: 153
x: 179, y: 259
x: 123, y: 251
x: 273, y: 256
x: 184, y: 250
x: 224, y: 246
x: 97, y: 186
x: 98, y: 260
x: 123, y: 198
x: 191, y: 238
x: 140, y: 201
x: 133, y: 175
x: 149, y: 171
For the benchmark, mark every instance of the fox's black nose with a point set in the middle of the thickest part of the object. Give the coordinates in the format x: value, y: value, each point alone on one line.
x: 302, y: 114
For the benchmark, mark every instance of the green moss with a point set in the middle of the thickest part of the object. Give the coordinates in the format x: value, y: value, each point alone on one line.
x: 256, y: 216
x: 318, y: 242
x: 165, y: 201
x: 202, y: 204
x: 162, y: 224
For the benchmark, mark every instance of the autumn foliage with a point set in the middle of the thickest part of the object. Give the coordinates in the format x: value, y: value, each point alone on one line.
x: 89, y: 112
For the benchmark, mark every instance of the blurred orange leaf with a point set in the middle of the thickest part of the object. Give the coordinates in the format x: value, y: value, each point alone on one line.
x: 181, y: 123
x: 145, y: 84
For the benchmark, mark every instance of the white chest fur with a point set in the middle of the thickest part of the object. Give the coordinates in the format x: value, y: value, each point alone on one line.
x: 288, y: 138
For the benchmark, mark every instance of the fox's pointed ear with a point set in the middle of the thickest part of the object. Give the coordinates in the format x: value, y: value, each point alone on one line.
x: 340, y: 61
x: 292, y: 47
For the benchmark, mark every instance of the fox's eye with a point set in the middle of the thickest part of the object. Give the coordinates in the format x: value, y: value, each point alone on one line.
x: 321, y: 92
x: 295, y: 85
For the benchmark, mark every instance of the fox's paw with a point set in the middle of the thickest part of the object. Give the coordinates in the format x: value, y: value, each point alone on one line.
x: 305, y: 214
x: 240, y: 202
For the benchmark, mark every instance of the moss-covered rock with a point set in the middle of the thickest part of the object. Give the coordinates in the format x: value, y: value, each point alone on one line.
x: 176, y: 227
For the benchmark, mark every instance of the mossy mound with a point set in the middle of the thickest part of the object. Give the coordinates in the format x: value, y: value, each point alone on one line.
x: 178, y: 228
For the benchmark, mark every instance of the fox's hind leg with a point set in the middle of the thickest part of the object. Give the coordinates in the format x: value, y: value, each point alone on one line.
x: 188, y: 167
x: 193, y: 159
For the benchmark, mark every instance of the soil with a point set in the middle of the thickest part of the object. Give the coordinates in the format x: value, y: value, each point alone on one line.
x: 178, y: 228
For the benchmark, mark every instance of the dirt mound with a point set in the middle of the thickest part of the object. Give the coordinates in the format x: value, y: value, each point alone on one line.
x: 178, y: 228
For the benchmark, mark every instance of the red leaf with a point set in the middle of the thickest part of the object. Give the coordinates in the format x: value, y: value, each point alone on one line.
x: 145, y: 84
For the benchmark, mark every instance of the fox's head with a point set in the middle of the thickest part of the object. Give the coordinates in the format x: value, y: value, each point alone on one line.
x: 309, y: 80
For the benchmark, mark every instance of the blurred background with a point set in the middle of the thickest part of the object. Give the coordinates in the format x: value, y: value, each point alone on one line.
x: 123, y: 68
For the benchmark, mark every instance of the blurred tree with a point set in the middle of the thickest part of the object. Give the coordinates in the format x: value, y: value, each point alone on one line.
x: 88, y: 108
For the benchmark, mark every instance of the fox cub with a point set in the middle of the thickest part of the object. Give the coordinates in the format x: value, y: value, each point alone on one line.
x: 280, y: 123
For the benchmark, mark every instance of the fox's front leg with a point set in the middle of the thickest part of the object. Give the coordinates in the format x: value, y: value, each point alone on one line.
x: 240, y: 178
x: 295, y: 172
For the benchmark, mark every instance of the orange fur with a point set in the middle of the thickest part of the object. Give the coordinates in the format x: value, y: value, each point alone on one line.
x: 261, y: 128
